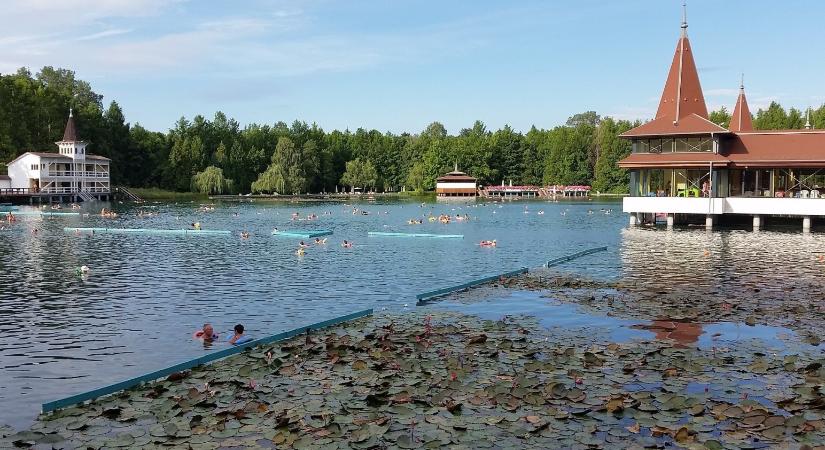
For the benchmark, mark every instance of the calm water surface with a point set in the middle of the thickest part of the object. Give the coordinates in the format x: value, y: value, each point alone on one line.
x: 61, y: 334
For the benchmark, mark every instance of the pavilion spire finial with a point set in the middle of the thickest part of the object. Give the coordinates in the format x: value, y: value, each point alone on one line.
x: 456, y: 166
x: 684, y: 19
x: 808, y: 125
x: 742, y: 82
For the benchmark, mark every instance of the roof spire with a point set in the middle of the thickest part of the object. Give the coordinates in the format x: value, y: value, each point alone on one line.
x: 741, y: 120
x: 684, y: 18
x: 70, y: 133
x: 808, y: 120
x: 456, y: 166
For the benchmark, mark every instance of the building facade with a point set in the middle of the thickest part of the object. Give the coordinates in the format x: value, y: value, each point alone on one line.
x: 456, y: 184
x: 684, y: 166
x: 70, y: 171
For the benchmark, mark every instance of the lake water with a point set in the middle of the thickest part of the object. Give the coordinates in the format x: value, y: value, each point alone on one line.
x: 61, y: 334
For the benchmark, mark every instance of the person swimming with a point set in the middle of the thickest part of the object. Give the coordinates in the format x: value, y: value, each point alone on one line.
x: 300, y: 251
x: 238, y: 334
x: 346, y: 244
x: 319, y: 241
x: 487, y: 243
x: 196, y: 226
x: 207, y: 333
x: 244, y: 234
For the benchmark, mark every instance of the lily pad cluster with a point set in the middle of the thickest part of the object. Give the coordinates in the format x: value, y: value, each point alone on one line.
x: 730, y: 300
x: 450, y: 380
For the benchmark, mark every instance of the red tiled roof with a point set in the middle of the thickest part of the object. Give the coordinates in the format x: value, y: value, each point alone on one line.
x: 692, y: 124
x: 456, y: 177
x: 682, y: 108
x: 741, y: 120
x: 654, y: 160
x: 782, y: 148
x: 682, y: 95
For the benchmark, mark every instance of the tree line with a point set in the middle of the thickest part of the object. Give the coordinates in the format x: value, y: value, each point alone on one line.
x: 220, y: 156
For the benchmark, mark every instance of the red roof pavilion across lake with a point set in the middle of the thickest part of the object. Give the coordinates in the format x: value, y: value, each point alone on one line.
x: 684, y: 165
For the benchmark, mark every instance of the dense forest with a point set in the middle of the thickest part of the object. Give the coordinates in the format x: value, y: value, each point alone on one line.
x: 218, y: 156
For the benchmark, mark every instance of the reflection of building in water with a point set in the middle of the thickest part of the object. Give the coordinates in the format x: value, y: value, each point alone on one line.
x: 682, y: 332
x: 695, y: 267
x: 684, y: 165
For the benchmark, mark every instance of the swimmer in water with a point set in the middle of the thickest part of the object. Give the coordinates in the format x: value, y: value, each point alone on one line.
x: 303, y: 245
x: 346, y: 244
x: 244, y: 234
x: 300, y: 251
x: 238, y: 334
x: 486, y: 243
x: 207, y: 333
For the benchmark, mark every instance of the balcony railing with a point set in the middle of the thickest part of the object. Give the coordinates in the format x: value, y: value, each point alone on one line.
x: 69, y: 190
x: 79, y: 174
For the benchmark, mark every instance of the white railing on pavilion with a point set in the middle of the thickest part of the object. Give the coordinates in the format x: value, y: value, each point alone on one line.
x: 78, y: 174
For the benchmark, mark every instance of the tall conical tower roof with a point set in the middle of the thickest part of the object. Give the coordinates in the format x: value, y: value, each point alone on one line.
x: 70, y: 134
x: 682, y: 108
x: 682, y: 95
x: 741, y: 118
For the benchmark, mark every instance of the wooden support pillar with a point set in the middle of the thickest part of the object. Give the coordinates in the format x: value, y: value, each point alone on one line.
x: 806, y: 223
x: 633, y: 220
x: 757, y: 222
x: 671, y: 218
x: 709, y: 222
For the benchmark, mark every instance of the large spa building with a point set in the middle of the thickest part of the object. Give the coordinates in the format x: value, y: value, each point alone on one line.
x: 683, y: 167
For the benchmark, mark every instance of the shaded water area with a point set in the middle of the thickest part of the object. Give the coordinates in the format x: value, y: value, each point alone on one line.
x: 61, y: 334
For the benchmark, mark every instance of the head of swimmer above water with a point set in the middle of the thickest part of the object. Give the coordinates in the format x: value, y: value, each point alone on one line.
x: 208, y: 331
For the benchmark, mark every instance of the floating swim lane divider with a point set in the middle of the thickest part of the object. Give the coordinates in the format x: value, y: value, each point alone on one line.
x: 117, y: 387
x: 564, y: 259
x: 428, y: 296
x: 145, y: 231
x: 418, y: 235
x: 302, y: 234
x: 45, y: 213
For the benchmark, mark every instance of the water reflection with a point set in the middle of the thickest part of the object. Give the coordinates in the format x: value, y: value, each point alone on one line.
x: 683, y: 333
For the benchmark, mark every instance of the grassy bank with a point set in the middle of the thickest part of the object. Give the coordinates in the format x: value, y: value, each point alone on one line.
x: 162, y: 194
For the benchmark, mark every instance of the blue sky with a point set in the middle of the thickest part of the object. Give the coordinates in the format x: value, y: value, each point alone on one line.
x: 399, y: 65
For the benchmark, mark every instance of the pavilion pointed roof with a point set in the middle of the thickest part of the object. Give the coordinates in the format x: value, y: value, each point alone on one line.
x: 741, y: 118
x: 682, y: 108
x: 70, y: 133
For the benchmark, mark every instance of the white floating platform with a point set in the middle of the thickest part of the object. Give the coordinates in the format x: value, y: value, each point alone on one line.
x: 146, y: 231
x: 39, y: 213
x: 302, y: 234
x: 417, y: 235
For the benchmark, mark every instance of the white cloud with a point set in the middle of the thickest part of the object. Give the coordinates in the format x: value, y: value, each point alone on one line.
x: 103, y: 34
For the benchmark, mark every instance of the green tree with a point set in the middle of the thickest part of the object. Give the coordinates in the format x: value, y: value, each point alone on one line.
x: 609, y: 177
x: 210, y: 181
x: 360, y: 173
x: 273, y: 180
x: 415, y: 178
x: 720, y: 117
